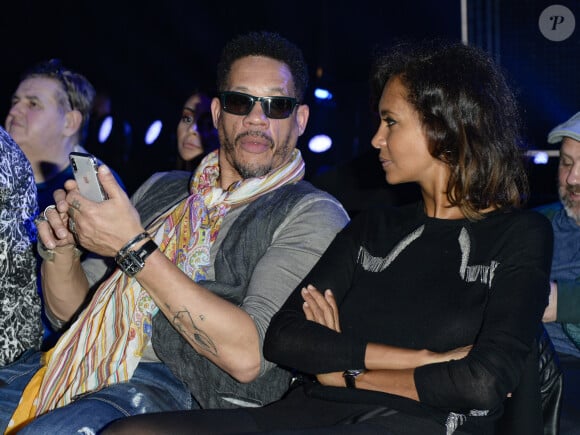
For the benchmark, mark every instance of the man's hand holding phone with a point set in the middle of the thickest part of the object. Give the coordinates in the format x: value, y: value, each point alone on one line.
x: 102, y: 226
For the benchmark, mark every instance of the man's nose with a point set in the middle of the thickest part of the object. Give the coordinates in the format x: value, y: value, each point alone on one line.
x: 573, y: 177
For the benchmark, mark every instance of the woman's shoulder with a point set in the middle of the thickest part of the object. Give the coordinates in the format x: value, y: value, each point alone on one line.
x: 528, y: 217
x: 521, y: 222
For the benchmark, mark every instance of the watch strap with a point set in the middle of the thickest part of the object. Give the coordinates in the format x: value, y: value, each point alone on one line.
x: 350, y: 377
x: 125, y: 249
x: 147, y: 249
x: 133, y: 261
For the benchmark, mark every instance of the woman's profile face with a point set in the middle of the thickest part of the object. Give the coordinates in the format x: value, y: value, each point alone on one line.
x: 401, y: 141
x: 189, y: 140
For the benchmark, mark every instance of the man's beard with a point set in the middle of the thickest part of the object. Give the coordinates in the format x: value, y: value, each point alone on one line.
x: 572, y: 208
x: 250, y: 170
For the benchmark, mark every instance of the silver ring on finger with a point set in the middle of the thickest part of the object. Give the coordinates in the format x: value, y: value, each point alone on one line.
x: 40, y: 218
x: 50, y: 207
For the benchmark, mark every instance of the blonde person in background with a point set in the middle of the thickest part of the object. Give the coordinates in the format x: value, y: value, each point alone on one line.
x: 48, y: 116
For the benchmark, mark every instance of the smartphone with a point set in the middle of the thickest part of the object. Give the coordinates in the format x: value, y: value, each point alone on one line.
x: 85, y: 171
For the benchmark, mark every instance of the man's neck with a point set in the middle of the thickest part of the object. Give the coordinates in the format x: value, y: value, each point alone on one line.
x: 45, y: 168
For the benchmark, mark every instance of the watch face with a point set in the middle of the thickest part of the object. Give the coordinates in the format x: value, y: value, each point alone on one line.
x: 131, y: 263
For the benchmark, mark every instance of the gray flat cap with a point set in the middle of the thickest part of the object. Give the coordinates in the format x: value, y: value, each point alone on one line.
x: 570, y: 128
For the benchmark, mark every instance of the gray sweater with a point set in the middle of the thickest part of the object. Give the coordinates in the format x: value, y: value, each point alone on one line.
x: 298, y: 229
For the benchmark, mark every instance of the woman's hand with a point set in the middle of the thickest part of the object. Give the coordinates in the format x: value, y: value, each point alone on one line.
x: 323, y: 310
x: 320, y: 308
x: 453, y: 354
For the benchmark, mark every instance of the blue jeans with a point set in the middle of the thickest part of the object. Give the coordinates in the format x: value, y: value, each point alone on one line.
x: 153, y: 388
x: 13, y: 379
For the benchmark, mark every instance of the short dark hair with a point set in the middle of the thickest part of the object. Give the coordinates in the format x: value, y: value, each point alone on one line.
x: 265, y: 44
x: 469, y: 115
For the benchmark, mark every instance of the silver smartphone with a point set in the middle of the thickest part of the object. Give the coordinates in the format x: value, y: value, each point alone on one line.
x: 84, y: 168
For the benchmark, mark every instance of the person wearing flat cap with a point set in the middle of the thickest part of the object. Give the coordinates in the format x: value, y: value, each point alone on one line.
x: 562, y: 316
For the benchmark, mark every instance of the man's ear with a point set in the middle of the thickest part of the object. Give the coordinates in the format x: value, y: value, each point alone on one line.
x: 302, y: 114
x: 72, y: 123
x: 216, y: 109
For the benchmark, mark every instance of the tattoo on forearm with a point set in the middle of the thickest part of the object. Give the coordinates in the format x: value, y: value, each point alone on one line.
x: 184, y: 323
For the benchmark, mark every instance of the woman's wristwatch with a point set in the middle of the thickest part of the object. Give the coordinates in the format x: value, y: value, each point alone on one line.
x: 350, y: 377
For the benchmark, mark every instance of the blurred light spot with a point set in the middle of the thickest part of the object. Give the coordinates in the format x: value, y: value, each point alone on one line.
x: 105, y: 129
x: 322, y: 94
x: 541, y: 158
x: 320, y: 143
x: 153, y: 132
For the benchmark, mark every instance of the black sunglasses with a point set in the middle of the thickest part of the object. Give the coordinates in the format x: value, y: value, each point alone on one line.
x: 53, y: 68
x: 238, y: 103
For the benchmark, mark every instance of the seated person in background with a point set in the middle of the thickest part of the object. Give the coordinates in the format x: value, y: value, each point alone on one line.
x: 204, y: 262
x: 49, y: 112
x: 48, y: 116
x: 20, y: 325
x: 417, y: 319
x: 196, y: 135
x: 562, y: 316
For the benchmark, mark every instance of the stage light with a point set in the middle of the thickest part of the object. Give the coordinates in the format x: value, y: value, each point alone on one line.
x: 322, y: 94
x: 105, y: 129
x: 320, y: 143
x: 153, y: 132
x: 541, y: 157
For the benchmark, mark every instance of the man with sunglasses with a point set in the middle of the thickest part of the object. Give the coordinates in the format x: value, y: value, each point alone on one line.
x: 203, y: 264
x: 48, y: 117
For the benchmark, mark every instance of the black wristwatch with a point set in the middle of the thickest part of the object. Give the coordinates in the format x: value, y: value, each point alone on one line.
x: 131, y: 262
x: 350, y: 377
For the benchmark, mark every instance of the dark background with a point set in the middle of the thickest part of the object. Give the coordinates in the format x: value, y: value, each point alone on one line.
x: 149, y: 56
